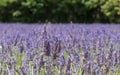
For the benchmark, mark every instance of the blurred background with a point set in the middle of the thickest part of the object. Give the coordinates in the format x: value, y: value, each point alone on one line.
x: 60, y: 11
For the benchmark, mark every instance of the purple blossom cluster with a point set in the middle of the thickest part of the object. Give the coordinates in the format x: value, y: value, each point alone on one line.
x: 59, y: 49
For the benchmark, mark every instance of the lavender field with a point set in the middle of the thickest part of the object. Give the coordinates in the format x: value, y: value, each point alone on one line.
x: 59, y: 49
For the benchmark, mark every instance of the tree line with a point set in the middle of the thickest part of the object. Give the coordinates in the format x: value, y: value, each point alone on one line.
x: 57, y: 11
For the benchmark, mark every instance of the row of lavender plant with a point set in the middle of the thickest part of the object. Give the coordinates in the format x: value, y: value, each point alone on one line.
x: 60, y: 50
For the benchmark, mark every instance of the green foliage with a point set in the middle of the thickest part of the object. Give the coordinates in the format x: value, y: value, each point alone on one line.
x: 84, y: 11
x: 112, y: 9
x: 2, y: 2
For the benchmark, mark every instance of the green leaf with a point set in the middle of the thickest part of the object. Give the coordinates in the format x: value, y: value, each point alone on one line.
x: 16, y: 13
